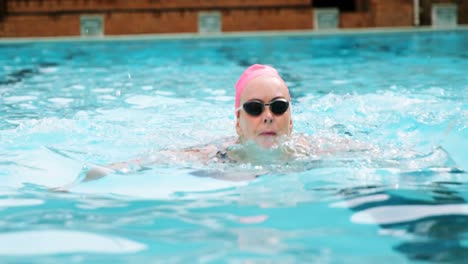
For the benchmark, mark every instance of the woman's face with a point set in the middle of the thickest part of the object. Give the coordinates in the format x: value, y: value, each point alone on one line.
x: 267, y: 128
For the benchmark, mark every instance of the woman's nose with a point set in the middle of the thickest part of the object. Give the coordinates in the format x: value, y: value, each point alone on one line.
x: 268, y: 120
x: 267, y: 117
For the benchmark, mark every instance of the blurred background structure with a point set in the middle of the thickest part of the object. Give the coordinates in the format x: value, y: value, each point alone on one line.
x: 44, y: 18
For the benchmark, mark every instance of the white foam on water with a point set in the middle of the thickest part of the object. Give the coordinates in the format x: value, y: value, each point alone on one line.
x: 17, y: 99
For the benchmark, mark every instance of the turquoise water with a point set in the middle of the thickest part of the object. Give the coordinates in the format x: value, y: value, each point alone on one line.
x: 65, y: 106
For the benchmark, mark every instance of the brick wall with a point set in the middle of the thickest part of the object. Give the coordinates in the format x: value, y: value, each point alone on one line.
x: 271, y: 19
x: 61, y: 17
x: 26, y: 18
x: 37, y: 25
x: 396, y: 13
x: 114, y: 24
x: 355, y: 20
x: 151, y: 22
x: 106, y: 5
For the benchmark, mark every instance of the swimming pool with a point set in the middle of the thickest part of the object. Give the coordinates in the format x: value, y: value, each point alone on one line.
x: 67, y: 105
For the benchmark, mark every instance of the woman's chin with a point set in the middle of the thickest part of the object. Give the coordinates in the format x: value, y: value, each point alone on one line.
x: 267, y: 142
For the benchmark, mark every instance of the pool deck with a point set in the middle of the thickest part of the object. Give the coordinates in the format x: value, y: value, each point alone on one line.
x: 175, y: 36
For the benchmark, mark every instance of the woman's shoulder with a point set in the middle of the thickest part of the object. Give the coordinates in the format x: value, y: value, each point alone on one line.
x: 213, y: 151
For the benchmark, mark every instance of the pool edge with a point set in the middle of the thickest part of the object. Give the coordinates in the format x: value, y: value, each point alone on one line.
x: 222, y: 35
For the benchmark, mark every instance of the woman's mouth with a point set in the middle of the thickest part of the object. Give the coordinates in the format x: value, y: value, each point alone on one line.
x: 268, y: 134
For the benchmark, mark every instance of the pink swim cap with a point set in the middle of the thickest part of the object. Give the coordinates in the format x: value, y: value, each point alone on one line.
x: 251, y: 73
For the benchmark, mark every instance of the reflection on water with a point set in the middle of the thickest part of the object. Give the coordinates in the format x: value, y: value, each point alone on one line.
x: 297, y: 217
x: 62, y: 242
x: 430, y: 225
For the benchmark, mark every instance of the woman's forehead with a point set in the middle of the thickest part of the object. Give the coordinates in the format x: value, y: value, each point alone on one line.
x: 264, y: 88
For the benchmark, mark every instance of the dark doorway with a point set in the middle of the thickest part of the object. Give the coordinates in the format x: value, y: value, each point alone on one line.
x: 343, y: 5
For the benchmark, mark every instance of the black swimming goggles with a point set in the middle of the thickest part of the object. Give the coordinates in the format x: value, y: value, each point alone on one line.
x: 256, y: 107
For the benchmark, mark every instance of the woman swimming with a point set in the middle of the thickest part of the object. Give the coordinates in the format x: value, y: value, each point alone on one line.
x: 263, y: 125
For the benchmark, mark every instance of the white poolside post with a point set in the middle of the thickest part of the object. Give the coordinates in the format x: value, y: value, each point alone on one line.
x: 209, y: 22
x: 416, y: 12
x: 444, y: 15
x: 326, y: 18
x: 92, y: 25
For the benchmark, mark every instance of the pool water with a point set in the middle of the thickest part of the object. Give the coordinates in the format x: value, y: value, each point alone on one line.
x: 67, y: 106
